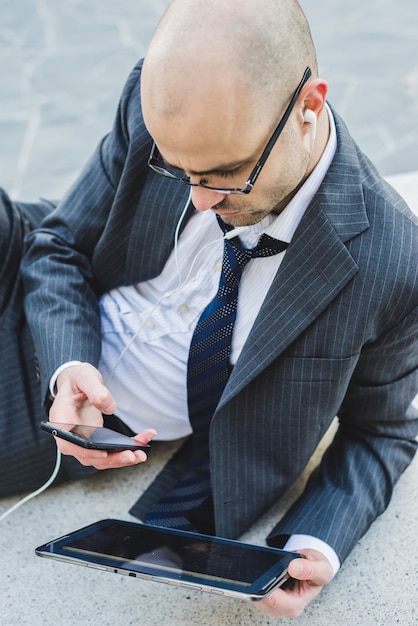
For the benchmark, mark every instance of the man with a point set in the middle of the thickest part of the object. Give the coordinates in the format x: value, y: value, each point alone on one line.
x: 326, y: 326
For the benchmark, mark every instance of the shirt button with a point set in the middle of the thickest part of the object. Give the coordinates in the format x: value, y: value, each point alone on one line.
x: 183, y: 308
x: 149, y: 324
x: 218, y: 265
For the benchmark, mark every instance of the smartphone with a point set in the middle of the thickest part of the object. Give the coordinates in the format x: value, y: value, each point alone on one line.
x: 186, y: 559
x: 93, y: 437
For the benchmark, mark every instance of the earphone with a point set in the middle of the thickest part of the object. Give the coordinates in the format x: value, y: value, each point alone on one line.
x: 310, y: 117
x: 235, y: 232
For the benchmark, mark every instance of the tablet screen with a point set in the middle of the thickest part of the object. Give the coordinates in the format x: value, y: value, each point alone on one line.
x: 143, y: 548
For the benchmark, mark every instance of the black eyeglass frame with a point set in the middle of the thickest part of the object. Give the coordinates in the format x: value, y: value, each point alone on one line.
x: 154, y: 154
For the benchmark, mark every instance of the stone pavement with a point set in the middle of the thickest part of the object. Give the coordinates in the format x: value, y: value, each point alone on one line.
x: 62, y: 67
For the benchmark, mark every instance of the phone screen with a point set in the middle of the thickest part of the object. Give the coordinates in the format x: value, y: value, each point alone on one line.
x: 94, y: 437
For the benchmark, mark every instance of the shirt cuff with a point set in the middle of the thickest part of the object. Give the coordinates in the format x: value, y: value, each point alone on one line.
x: 301, y: 542
x: 52, y: 382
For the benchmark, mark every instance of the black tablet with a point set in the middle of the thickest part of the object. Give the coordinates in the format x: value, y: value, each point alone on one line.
x: 186, y: 559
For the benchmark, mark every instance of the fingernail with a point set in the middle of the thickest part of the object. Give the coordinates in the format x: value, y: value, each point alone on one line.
x: 296, y: 569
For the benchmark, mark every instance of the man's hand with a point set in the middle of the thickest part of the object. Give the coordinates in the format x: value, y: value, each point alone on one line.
x: 82, y: 398
x: 310, y: 574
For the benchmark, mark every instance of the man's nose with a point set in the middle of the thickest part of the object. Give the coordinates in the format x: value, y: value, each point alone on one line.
x: 204, y: 199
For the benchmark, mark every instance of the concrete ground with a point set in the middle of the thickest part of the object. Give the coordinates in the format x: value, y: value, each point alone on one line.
x: 62, y: 66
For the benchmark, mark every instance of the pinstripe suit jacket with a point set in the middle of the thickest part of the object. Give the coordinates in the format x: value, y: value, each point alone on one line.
x: 336, y: 335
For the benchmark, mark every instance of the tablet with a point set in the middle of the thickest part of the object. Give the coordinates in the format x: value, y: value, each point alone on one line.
x: 186, y: 559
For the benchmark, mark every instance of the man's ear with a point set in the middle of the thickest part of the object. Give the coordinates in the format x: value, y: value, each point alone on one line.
x: 314, y: 95
x: 313, y: 99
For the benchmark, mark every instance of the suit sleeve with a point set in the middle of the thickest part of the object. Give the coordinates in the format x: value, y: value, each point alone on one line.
x: 375, y: 442
x: 61, y: 300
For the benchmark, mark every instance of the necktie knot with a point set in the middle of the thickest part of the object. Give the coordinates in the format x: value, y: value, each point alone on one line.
x: 236, y: 257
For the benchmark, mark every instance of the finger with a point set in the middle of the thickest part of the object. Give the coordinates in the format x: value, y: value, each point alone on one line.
x: 284, y: 603
x: 114, y: 460
x: 146, y: 436
x: 311, y: 574
x: 85, y: 381
x: 317, y: 572
x: 89, y: 381
x: 102, y: 399
x: 100, y: 459
x: 84, y: 456
x: 126, y: 458
x: 289, y: 603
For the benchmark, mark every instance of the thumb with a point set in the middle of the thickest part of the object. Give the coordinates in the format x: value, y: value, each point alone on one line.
x: 317, y: 571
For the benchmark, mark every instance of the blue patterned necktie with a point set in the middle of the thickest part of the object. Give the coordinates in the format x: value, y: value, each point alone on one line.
x: 189, y: 505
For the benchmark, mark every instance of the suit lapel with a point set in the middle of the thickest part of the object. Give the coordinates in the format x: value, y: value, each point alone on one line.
x: 316, y: 266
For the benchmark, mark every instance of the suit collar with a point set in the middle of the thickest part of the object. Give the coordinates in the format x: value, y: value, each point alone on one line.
x: 341, y: 195
x: 316, y: 267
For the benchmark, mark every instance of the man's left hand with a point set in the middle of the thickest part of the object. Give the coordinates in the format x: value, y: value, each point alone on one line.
x: 310, y: 575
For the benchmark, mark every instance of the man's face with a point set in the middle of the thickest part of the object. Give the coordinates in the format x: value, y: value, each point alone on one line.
x: 282, y: 174
x: 280, y: 178
x: 217, y: 137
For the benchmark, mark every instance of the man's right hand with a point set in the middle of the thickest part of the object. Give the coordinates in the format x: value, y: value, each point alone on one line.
x: 82, y: 398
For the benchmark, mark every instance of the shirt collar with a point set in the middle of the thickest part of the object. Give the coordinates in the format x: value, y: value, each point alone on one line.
x: 283, y: 226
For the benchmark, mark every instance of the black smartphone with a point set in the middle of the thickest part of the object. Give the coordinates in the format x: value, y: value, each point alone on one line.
x: 93, y: 437
x: 182, y: 558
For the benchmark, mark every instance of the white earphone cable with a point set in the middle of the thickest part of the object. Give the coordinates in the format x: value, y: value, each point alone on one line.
x: 38, y: 491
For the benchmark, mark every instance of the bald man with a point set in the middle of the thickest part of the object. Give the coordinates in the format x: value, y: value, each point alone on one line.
x: 223, y: 140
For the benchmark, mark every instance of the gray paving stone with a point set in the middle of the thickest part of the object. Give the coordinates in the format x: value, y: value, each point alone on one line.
x: 369, y: 54
x: 81, y: 52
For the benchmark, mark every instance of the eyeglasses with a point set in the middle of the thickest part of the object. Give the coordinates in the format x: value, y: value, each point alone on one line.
x: 155, y: 157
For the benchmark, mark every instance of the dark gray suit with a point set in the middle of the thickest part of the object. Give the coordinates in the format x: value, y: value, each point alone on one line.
x: 336, y: 335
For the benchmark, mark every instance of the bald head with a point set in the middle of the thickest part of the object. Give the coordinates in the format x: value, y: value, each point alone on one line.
x: 218, y: 75
x: 200, y: 46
